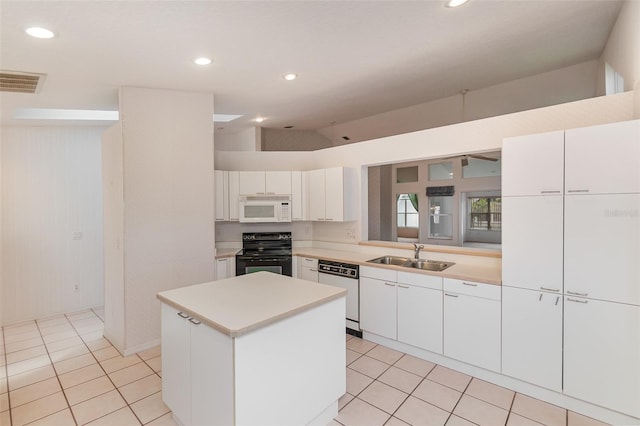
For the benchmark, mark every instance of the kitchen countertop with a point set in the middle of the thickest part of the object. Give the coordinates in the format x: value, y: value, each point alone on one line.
x: 489, y: 273
x: 238, y: 305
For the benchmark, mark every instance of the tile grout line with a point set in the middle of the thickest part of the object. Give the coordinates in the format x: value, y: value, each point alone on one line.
x: 107, y: 375
x: 56, y: 373
x: 6, y: 375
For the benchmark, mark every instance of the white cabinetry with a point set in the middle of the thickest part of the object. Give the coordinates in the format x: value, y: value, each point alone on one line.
x: 225, y: 268
x: 308, y: 269
x: 299, y: 195
x: 420, y: 311
x: 221, y: 179
x: 332, y: 194
x: 472, y: 323
x: 601, y: 353
x: 378, y: 312
x: 252, y: 183
x: 532, y: 336
x: 188, y: 375
x: 533, y: 165
x: 532, y: 249
x: 603, y: 159
x: 234, y: 195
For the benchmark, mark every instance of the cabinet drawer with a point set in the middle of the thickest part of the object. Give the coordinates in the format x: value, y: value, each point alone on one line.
x: 471, y: 288
x: 379, y: 273
x: 308, y: 262
x: 420, y: 280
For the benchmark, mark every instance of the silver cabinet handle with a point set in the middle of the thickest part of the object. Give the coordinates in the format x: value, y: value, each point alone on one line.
x: 557, y: 300
x: 223, y: 260
x: 470, y: 284
x: 389, y: 284
x: 403, y: 286
x: 194, y: 321
x: 451, y: 295
x: 313, y: 270
x: 577, y: 294
x: 183, y: 315
x: 550, y: 289
x: 549, y: 192
x: 576, y: 300
x: 578, y: 190
x: 540, y: 298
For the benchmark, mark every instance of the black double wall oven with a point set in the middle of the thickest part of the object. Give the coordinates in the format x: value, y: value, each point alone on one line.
x: 265, y: 251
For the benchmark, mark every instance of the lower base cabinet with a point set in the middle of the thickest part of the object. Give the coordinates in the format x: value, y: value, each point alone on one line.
x: 472, y: 323
x: 225, y: 268
x: 532, y: 336
x: 378, y: 308
x: 602, y: 353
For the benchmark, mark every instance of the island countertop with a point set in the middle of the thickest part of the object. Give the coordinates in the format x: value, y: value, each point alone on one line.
x: 238, y: 305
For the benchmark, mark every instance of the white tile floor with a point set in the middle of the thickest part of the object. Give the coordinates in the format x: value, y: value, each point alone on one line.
x: 61, y: 371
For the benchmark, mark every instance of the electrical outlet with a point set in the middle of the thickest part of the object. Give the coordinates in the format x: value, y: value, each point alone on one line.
x: 77, y: 235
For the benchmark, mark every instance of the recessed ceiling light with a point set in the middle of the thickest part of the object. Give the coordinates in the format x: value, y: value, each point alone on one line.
x: 202, y: 61
x: 39, y: 32
x: 259, y: 119
x: 455, y: 3
x: 290, y: 76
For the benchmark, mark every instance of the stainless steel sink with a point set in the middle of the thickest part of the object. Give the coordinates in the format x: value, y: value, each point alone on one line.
x: 426, y: 265
x: 429, y: 265
x: 390, y: 260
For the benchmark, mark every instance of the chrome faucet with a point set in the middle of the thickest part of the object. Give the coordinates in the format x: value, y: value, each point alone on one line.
x: 416, y: 255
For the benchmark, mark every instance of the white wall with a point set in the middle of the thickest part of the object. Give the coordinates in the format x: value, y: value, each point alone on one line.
x: 474, y: 136
x: 622, y: 51
x: 246, y: 140
x: 168, y: 204
x: 555, y: 87
x: 51, y: 189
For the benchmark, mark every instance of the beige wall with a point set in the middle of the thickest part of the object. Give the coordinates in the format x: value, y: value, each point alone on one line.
x: 51, y: 189
x: 622, y: 51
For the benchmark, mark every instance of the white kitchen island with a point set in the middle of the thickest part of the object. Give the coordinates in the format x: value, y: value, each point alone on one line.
x: 257, y: 349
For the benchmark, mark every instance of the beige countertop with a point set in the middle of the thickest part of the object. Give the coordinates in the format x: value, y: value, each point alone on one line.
x: 238, y: 305
x: 489, y: 272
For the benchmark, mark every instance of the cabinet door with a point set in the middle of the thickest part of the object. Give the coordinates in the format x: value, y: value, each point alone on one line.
x: 222, y: 268
x: 309, y: 274
x: 334, y: 183
x: 296, y: 196
x: 602, y: 247
x: 532, y: 336
x: 420, y: 317
x: 252, y: 183
x: 234, y: 195
x: 222, y: 195
x: 603, y: 159
x: 378, y: 307
x: 601, y: 353
x: 472, y: 330
x: 316, y: 195
x: 532, y: 242
x: 278, y: 182
x: 533, y: 164
x: 176, y: 363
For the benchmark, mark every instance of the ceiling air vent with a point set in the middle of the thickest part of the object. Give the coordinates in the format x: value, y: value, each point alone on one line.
x: 20, y: 82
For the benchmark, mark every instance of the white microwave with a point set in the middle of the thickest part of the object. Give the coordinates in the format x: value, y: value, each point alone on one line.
x: 265, y: 208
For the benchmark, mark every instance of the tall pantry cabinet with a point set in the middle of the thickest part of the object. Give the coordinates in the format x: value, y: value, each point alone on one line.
x: 593, y: 226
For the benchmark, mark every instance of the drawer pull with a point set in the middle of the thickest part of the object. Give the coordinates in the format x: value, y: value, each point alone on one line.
x: 403, y: 286
x: 451, y: 295
x: 576, y: 300
x: 578, y: 190
x: 549, y: 192
x: 389, y: 284
x: 183, y: 315
x: 550, y: 289
x: 577, y: 294
x: 194, y: 321
x: 470, y: 284
x: 313, y: 270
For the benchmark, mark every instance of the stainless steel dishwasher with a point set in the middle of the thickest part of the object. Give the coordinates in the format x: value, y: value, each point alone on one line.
x: 347, y: 276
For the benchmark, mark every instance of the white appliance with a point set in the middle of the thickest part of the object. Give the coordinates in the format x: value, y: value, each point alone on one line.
x: 344, y: 275
x: 265, y: 208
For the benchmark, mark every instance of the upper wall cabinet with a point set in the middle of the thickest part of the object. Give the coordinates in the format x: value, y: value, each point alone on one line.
x: 533, y: 165
x: 299, y: 198
x: 265, y: 183
x: 221, y: 195
x: 332, y: 194
x: 603, y: 159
